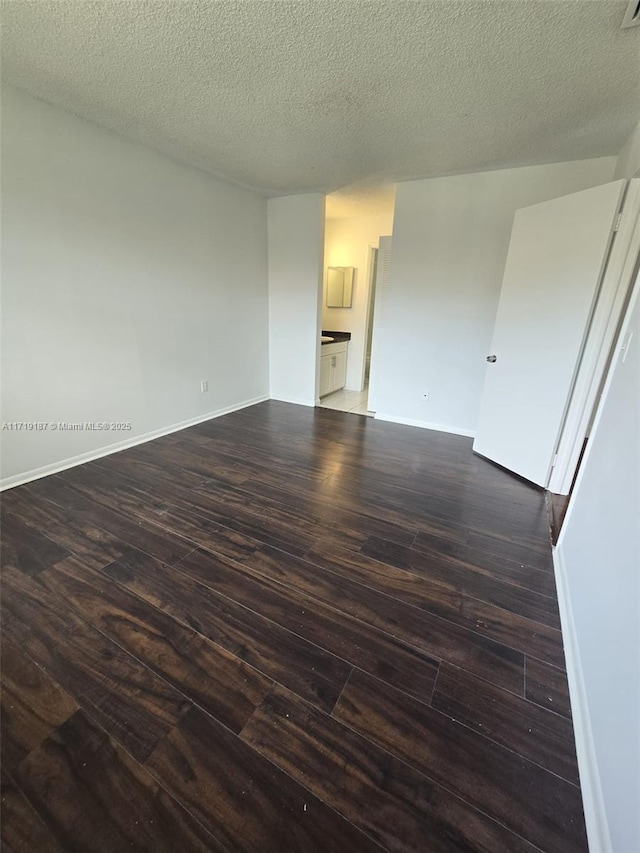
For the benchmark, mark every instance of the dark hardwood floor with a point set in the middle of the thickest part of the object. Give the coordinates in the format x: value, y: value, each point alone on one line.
x: 557, y: 506
x: 284, y: 630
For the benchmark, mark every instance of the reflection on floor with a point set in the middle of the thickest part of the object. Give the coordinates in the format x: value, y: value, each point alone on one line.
x: 284, y: 631
x: 348, y: 401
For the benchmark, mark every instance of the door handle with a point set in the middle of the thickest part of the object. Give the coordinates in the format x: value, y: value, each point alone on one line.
x: 492, y: 358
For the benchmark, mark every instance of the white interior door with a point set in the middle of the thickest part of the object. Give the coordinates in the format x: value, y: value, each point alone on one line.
x: 379, y: 317
x: 556, y: 258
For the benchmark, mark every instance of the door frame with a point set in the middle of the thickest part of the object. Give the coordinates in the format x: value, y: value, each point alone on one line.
x: 382, y: 283
x: 372, y: 269
x: 609, y: 310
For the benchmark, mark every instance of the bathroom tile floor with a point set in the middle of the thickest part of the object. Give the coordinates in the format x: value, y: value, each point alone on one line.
x: 348, y: 401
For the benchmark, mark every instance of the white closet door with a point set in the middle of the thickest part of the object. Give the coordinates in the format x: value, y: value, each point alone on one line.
x: 556, y: 258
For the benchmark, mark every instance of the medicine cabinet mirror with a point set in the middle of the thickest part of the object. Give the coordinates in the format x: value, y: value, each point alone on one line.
x: 340, y: 286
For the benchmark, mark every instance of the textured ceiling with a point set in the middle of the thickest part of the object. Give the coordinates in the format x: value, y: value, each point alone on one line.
x: 288, y: 97
x: 361, y: 200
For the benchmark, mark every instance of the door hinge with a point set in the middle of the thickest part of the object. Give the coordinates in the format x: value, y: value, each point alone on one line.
x: 555, y: 462
x: 617, y: 222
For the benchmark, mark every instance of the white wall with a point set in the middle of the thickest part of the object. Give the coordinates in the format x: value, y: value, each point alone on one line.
x: 296, y: 238
x: 450, y: 241
x: 599, y: 560
x: 348, y: 243
x: 128, y: 278
x: 628, y: 163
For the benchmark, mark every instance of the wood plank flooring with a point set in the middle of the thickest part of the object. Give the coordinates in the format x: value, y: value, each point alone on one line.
x: 287, y: 630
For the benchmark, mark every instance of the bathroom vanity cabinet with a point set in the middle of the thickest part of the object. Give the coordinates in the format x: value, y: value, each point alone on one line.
x: 333, y: 367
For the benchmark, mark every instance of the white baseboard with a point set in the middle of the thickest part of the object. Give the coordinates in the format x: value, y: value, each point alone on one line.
x: 310, y: 403
x: 593, y: 801
x: 380, y: 416
x: 72, y: 461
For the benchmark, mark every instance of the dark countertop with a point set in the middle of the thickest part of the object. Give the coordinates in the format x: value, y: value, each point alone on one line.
x: 339, y: 337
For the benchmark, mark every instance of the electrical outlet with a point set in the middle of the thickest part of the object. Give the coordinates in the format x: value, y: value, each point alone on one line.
x: 204, y: 385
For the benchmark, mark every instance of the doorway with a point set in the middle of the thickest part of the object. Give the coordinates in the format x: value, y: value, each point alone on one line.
x: 345, y: 400
x: 355, y: 221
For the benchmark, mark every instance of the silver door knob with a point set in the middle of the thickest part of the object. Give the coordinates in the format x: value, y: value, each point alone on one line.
x: 492, y: 358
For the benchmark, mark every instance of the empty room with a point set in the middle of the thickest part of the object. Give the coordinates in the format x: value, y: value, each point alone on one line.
x: 320, y: 433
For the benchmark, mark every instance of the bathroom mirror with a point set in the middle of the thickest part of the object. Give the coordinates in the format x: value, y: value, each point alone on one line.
x: 340, y: 286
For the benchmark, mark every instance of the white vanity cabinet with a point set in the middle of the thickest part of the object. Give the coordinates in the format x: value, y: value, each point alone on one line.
x: 333, y: 367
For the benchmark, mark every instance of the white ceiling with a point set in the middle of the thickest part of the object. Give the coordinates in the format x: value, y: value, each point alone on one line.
x: 361, y: 200
x: 287, y: 97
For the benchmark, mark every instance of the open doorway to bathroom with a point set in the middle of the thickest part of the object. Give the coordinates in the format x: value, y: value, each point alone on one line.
x: 356, y: 402
x: 356, y: 218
